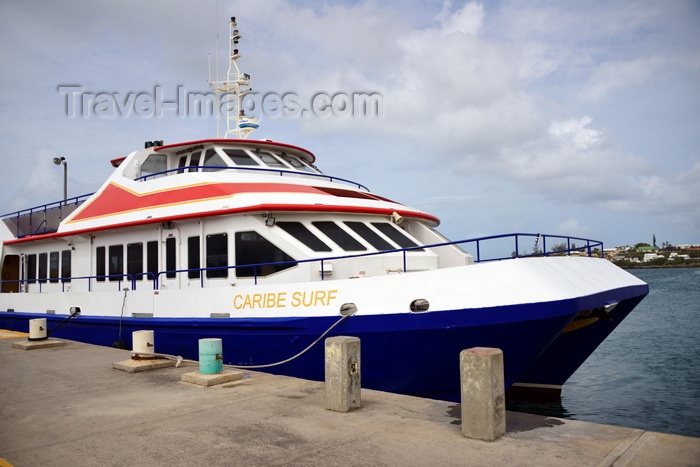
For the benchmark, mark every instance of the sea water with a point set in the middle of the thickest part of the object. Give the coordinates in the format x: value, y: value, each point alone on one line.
x: 646, y: 374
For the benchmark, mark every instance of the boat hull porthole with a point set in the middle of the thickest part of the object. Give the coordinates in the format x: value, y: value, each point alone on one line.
x: 419, y: 305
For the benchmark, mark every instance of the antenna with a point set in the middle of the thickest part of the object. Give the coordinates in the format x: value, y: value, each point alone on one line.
x: 157, y: 112
x: 234, y: 88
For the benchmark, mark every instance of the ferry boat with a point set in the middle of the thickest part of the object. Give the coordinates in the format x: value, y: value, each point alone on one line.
x: 248, y: 241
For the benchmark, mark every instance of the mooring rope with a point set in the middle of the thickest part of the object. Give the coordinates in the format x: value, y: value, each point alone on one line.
x: 254, y: 367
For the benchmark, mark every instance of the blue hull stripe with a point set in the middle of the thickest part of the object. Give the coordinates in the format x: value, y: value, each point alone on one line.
x: 415, y: 354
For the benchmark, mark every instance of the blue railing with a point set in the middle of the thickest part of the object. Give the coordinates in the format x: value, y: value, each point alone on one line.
x: 116, y: 279
x: 537, y: 245
x: 60, y: 209
x: 281, y: 172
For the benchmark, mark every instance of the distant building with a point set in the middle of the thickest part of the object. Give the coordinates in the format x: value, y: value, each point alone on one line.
x: 651, y: 256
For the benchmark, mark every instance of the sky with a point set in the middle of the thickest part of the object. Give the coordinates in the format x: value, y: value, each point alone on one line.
x: 573, y: 118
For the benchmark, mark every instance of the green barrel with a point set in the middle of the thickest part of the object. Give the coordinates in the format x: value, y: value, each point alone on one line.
x: 211, y: 358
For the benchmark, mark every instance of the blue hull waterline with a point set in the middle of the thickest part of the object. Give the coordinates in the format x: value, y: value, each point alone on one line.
x: 409, y: 354
x: 388, y: 363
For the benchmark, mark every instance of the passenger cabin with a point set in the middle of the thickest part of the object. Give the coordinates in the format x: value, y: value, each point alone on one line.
x: 216, y: 213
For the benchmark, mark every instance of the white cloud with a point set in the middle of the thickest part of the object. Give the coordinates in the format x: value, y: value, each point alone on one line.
x: 610, y: 76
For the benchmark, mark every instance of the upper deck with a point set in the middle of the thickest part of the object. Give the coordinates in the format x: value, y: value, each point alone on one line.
x: 203, y: 178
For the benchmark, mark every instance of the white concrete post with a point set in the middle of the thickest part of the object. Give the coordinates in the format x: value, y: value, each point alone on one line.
x: 483, y: 393
x: 342, y: 373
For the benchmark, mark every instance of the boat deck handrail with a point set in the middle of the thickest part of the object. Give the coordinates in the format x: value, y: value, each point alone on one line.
x: 565, y: 247
x: 281, y: 172
x: 35, y: 220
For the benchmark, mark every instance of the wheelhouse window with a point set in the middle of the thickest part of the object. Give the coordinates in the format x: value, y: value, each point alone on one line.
x: 296, y: 163
x: 269, y: 159
x: 194, y: 161
x: 339, y: 236
x: 154, y: 164
x: 217, y: 255
x: 212, y: 161
x: 258, y: 256
x: 370, y: 236
x: 182, y: 163
x: 304, y: 235
x: 240, y: 157
x: 116, y: 262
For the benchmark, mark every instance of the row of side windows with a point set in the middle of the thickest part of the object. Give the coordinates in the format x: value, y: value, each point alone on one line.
x: 344, y: 240
x: 253, y: 253
x: 50, y: 266
x: 109, y: 261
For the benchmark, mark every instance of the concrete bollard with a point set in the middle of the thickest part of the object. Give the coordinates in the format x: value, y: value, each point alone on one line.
x: 342, y: 373
x: 483, y: 393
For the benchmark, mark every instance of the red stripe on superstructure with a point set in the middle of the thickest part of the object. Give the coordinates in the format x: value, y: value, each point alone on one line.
x: 115, y: 199
x: 258, y: 208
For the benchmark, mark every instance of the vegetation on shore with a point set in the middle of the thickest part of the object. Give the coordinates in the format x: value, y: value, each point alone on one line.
x: 643, y: 255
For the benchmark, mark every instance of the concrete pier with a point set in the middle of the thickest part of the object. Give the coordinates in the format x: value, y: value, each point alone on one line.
x: 67, y: 406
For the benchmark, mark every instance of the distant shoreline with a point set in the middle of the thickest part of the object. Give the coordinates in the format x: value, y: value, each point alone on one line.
x: 665, y: 266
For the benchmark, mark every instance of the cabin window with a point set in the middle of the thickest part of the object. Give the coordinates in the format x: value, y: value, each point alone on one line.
x: 304, y: 235
x: 395, y: 234
x: 100, y: 270
x: 31, y: 268
x: 134, y: 260
x: 370, y: 236
x: 154, y: 164
x: 53, y: 266
x: 194, y: 161
x: 66, y: 272
x: 339, y: 236
x: 217, y: 255
x: 254, y: 249
x: 152, y: 259
x: 212, y: 161
x: 170, y: 257
x: 43, y: 267
x: 193, y: 257
x: 116, y: 262
x: 240, y: 157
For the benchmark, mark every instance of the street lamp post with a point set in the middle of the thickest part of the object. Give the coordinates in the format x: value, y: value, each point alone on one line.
x: 59, y: 161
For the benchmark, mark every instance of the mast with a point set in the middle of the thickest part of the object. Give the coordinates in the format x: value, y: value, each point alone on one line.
x: 234, y: 88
